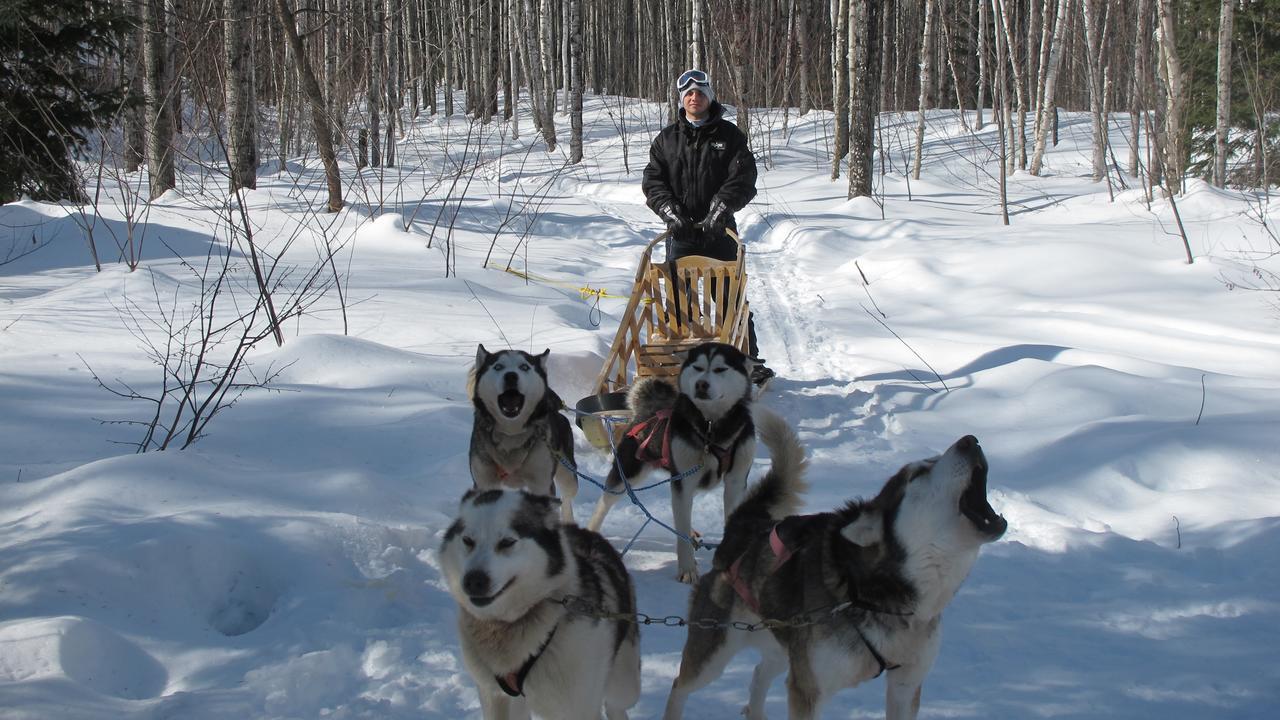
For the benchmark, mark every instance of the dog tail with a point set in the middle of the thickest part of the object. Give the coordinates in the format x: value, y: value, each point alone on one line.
x: 780, y: 492
x: 649, y: 395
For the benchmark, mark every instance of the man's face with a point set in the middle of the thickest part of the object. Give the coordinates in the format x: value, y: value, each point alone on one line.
x: 696, y: 104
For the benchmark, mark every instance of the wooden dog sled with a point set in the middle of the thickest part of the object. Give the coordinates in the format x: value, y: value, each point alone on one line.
x: 674, y: 307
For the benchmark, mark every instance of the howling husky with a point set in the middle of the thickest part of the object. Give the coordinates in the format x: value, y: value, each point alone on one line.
x: 519, y: 435
x: 872, y: 578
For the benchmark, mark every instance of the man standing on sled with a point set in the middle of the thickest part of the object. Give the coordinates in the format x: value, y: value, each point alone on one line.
x: 700, y: 173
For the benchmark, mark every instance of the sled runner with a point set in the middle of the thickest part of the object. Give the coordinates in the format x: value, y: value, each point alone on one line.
x: 675, y: 305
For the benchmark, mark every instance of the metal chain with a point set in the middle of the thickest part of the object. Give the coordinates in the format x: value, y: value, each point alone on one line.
x: 582, y: 606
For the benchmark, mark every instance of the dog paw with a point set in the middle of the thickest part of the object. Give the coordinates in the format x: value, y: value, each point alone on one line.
x: 688, y: 576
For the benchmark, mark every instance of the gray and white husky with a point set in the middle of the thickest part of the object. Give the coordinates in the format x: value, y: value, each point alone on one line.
x: 518, y: 430
x: 704, y: 423
x: 872, y: 578
x: 510, y: 563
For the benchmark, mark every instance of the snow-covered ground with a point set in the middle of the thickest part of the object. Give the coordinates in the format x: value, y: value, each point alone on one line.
x: 284, y: 565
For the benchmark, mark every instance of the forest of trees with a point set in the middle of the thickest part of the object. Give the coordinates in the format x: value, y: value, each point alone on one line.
x: 1197, y: 81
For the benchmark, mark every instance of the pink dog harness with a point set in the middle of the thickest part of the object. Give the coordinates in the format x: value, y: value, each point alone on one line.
x: 781, y: 554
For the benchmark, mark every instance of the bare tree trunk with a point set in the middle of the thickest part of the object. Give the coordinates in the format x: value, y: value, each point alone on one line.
x: 695, y: 23
x: 926, y: 67
x: 449, y: 51
x: 864, y: 96
x: 135, y: 130
x: 982, y: 59
x: 513, y: 61
x: 158, y: 88
x: 242, y: 146
x: 565, y: 80
x: 413, y: 46
x: 391, y: 19
x: 1137, y: 88
x: 1000, y: 106
x: 1093, y: 51
x: 840, y: 83
x: 1018, y: 148
x: 1170, y: 67
x: 574, y: 32
x: 806, y: 55
x: 373, y: 94
x: 1223, y: 119
x: 546, y: 42
x: 535, y: 72
x: 1044, y: 118
x: 322, y: 128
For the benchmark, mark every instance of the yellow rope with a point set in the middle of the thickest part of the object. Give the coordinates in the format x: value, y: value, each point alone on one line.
x: 586, y: 292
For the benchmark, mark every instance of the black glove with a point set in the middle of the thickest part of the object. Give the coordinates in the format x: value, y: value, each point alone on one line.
x: 717, y: 217
x: 673, y: 215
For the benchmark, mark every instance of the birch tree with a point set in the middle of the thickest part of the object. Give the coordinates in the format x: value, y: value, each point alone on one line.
x: 926, y: 67
x: 864, y: 92
x: 574, y: 32
x: 840, y: 83
x: 1170, y: 72
x: 1093, y: 31
x: 1044, y: 112
x: 1222, y: 119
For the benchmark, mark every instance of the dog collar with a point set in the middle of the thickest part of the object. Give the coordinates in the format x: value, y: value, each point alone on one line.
x: 513, y: 682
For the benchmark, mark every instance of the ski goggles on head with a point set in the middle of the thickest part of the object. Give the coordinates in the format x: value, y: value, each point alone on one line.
x: 691, y: 78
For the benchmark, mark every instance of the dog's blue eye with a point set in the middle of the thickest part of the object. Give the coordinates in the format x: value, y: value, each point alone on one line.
x: 524, y: 367
x: 506, y: 543
x: 468, y: 543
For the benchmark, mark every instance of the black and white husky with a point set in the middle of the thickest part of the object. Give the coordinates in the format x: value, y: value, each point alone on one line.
x: 510, y: 564
x: 864, y: 585
x: 518, y: 430
x: 705, y: 423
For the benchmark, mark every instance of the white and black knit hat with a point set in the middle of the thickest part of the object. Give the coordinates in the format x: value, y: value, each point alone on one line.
x: 695, y: 80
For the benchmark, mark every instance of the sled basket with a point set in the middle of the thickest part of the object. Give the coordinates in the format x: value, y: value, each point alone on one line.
x: 674, y: 307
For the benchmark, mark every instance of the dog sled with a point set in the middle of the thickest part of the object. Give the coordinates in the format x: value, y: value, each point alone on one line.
x: 675, y: 305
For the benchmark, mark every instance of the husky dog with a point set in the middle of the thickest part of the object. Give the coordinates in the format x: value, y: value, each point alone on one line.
x: 865, y: 585
x: 519, y: 431
x: 510, y: 564
x: 704, y: 424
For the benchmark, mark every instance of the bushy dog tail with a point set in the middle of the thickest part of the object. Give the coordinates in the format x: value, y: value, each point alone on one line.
x: 649, y: 395
x: 780, y: 492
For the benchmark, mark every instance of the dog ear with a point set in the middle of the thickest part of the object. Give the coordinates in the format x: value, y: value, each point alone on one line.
x: 548, y: 509
x: 481, y: 354
x: 541, y: 359
x: 865, y: 530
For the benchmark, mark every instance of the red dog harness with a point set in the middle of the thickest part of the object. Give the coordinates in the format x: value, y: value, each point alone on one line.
x: 654, y: 438
x: 781, y: 554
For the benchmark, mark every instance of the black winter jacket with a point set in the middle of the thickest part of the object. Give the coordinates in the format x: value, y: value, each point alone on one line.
x: 694, y: 165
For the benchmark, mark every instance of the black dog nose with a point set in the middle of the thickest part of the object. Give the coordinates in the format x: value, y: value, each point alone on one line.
x: 510, y: 381
x: 702, y: 386
x: 476, y: 583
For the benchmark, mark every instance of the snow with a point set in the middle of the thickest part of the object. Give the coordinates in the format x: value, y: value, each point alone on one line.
x: 284, y: 566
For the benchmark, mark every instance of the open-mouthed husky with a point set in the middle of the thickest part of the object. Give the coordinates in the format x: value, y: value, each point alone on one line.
x: 705, y: 423
x: 518, y: 430
x: 510, y: 564
x: 864, y: 585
